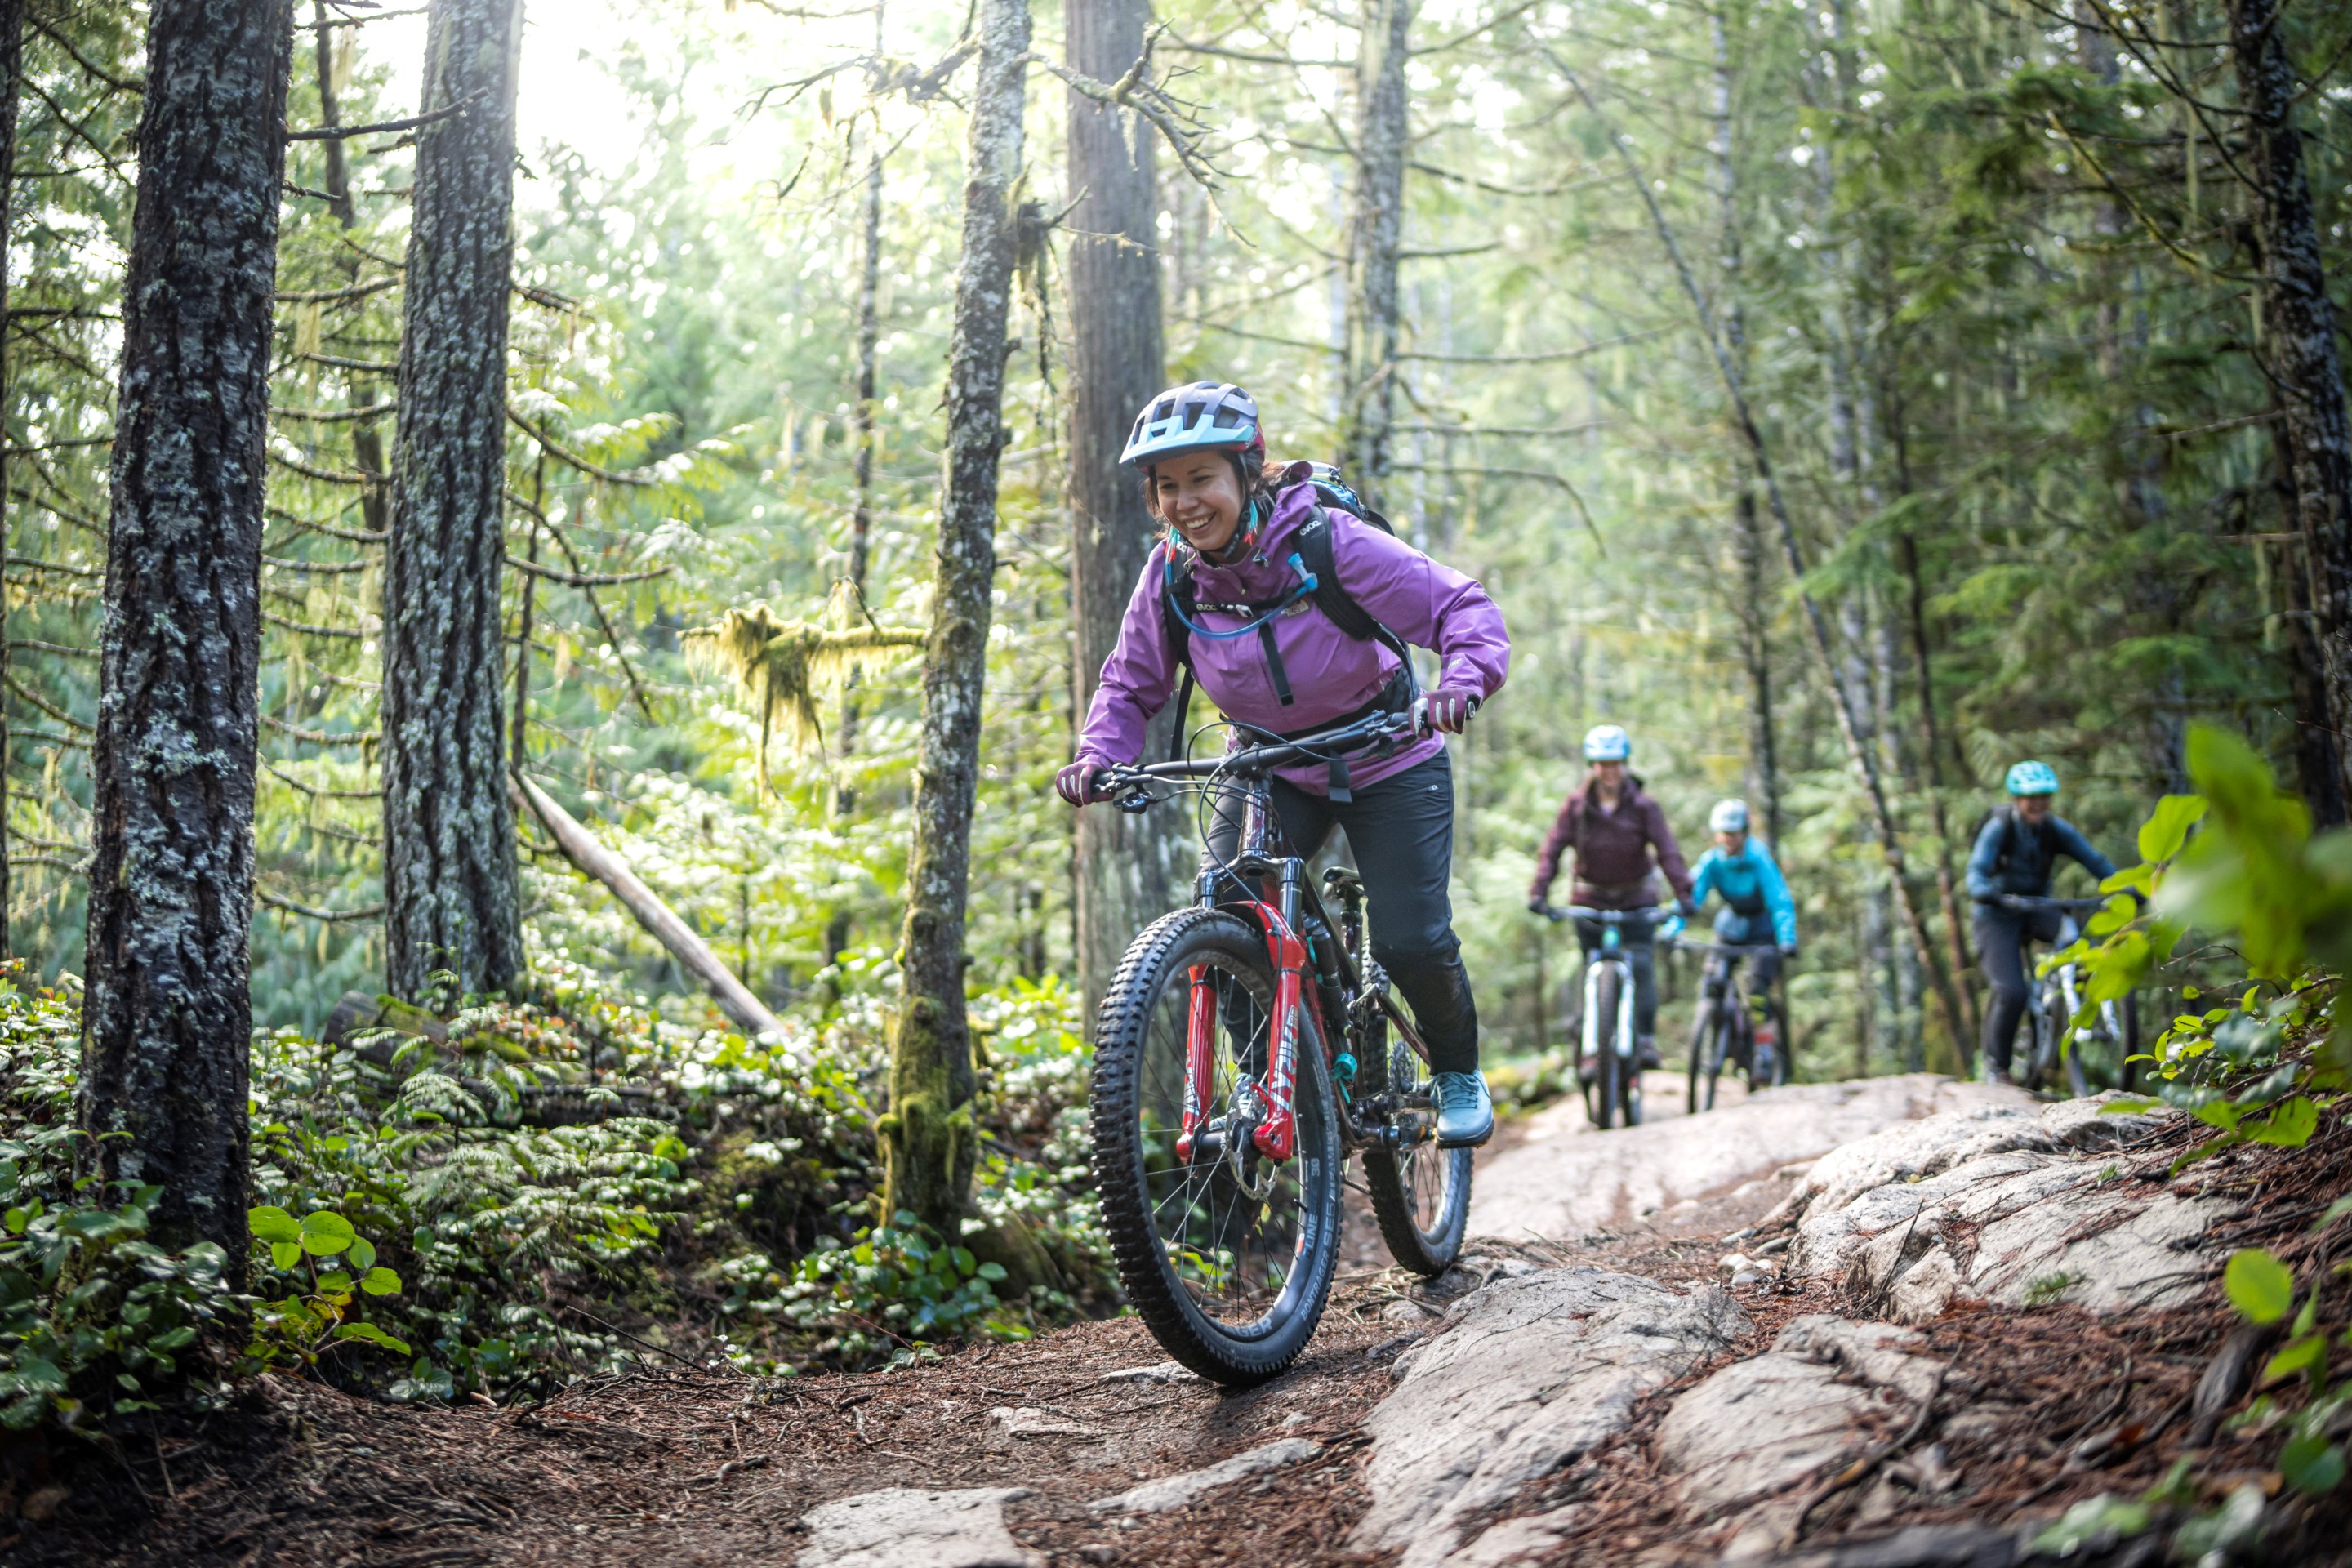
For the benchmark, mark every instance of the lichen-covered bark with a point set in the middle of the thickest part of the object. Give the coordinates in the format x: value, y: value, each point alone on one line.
x: 1377, y: 235
x: 1129, y: 864
x: 167, y: 1013
x: 12, y: 71
x: 450, y: 895
x: 2299, y: 342
x: 927, y: 1135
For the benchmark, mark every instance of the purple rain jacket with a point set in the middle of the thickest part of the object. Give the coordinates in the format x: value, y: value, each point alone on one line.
x: 1331, y: 673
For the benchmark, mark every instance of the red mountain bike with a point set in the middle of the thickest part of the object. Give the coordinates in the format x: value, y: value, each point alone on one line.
x: 1246, y: 1045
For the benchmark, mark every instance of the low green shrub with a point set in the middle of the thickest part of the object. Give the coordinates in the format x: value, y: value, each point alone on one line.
x: 421, y: 1231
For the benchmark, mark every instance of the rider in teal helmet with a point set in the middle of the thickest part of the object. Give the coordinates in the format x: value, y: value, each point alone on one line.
x: 2015, y: 858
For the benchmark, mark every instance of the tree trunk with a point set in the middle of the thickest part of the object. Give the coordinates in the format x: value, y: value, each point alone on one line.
x: 926, y: 1137
x: 2315, y: 750
x: 12, y: 71
x: 1376, y: 234
x: 450, y: 895
x: 1755, y: 649
x: 167, y: 1011
x: 367, y: 438
x: 1126, y: 864
x: 2299, y: 343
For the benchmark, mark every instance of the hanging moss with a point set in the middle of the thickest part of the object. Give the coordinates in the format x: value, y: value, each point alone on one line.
x: 792, y: 669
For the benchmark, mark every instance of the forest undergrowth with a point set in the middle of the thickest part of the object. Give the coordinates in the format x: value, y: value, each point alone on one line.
x: 494, y: 1199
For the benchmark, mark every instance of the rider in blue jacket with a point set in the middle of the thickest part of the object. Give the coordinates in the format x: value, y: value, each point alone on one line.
x: 1757, y: 907
x: 2016, y: 856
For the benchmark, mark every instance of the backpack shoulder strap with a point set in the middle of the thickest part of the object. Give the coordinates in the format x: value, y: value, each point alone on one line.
x: 1179, y: 600
x: 1315, y: 553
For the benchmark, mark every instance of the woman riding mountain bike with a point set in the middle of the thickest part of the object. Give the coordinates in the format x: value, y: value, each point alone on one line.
x: 1758, y: 924
x: 2010, y: 876
x: 1248, y: 1044
x: 1234, y: 598
x: 1614, y: 828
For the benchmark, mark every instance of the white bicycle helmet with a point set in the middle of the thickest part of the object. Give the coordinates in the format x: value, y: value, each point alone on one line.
x: 1607, y: 743
x: 1200, y: 416
x: 1728, y: 816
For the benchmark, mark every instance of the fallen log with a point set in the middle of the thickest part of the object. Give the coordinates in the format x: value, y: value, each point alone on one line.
x: 582, y: 849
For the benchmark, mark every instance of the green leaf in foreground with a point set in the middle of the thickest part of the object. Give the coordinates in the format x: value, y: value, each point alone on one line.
x: 2258, y: 1285
x: 2312, y: 1463
x: 326, y: 1232
x: 2166, y: 828
x: 380, y: 1282
x: 2290, y: 1125
x: 271, y: 1223
x: 373, y: 1335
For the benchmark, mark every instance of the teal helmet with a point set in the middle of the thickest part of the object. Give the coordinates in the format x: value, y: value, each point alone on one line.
x: 1200, y: 416
x: 2032, y: 778
x: 1607, y: 743
x: 1728, y: 816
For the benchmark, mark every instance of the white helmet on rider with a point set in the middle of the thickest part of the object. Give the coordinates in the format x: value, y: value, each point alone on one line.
x: 1728, y: 816
x: 1607, y: 743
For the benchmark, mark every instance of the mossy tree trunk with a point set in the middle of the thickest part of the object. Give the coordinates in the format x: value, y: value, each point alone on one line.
x: 450, y: 886
x: 12, y: 72
x: 168, y: 1010
x: 1129, y: 864
x: 928, y: 1137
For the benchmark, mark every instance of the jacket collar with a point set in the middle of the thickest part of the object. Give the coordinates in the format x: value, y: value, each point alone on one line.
x: 1272, y: 552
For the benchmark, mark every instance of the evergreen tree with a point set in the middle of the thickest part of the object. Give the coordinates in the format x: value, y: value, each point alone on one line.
x: 167, y: 1009
x: 450, y: 873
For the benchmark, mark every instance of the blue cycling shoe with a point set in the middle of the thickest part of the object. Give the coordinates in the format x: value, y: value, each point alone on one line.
x: 1465, y: 1113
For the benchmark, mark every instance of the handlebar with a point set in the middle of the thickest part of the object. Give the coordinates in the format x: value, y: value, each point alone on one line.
x: 1607, y: 917
x: 2028, y: 901
x: 1739, y: 948
x: 1130, y: 785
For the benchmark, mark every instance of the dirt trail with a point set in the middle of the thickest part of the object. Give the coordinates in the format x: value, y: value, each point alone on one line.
x: 663, y: 1469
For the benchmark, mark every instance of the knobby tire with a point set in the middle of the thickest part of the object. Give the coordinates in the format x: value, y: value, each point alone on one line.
x: 1608, y: 1088
x: 1118, y: 1098
x: 1394, y: 1178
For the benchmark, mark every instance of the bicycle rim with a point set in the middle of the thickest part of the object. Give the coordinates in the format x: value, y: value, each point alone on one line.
x: 1420, y: 1193
x: 1227, y: 1256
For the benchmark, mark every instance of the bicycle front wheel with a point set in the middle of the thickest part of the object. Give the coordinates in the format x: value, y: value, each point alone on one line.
x: 2043, y: 1060
x: 1226, y: 1254
x: 1601, y: 1105
x: 1702, y: 1047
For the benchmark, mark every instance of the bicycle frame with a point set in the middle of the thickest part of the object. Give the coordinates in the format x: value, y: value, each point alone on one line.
x: 1286, y: 911
x: 1613, y: 923
x: 1612, y: 953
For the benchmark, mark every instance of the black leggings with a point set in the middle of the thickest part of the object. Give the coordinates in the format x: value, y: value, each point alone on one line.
x: 2001, y: 952
x: 1401, y: 833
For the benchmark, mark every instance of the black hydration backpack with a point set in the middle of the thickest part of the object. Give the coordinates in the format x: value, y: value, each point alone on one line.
x: 2011, y: 827
x: 1180, y: 604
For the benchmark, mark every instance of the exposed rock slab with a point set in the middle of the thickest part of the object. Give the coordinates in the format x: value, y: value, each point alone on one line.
x: 1516, y: 1541
x: 1996, y: 1206
x: 1173, y: 1492
x: 1525, y: 1375
x: 1822, y: 1394
x: 905, y: 1527
x: 1566, y: 1181
x: 1908, y: 1151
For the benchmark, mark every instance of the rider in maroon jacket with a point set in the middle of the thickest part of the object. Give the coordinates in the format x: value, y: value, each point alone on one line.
x: 1614, y: 828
